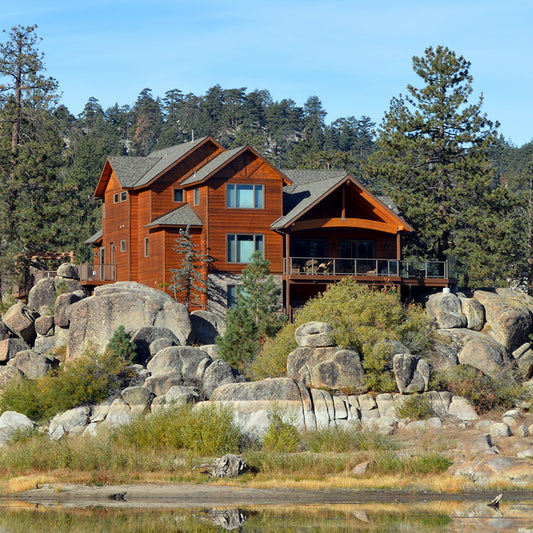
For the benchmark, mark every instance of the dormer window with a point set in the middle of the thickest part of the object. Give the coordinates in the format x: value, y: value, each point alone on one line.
x: 242, y: 196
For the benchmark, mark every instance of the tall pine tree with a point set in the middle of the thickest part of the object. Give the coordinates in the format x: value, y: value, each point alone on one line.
x: 434, y: 163
x: 35, y: 193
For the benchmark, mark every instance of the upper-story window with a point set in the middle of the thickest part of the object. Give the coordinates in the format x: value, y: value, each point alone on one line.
x: 178, y: 195
x: 115, y: 198
x: 243, y: 196
x: 196, y: 196
x: 241, y: 247
x: 123, y: 196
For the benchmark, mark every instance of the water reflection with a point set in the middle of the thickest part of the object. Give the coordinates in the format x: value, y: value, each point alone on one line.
x: 445, y: 516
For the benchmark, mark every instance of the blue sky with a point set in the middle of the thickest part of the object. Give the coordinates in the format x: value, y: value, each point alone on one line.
x: 354, y: 56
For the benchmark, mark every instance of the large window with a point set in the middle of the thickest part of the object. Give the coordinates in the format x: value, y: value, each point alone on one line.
x: 357, y: 249
x: 310, y: 248
x: 245, y: 196
x: 241, y: 247
x: 178, y: 195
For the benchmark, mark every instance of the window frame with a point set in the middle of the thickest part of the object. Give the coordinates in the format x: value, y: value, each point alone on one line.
x: 123, y: 196
x: 123, y: 245
x: 232, y: 195
x: 181, y: 192
x: 147, y: 247
x: 231, y: 295
x: 196, y: 196
x: 232, y: 252
x: 115, y: 198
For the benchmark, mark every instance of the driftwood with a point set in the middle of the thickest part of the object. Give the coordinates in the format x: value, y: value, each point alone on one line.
x: 225, y: 518
x: 227, y: 466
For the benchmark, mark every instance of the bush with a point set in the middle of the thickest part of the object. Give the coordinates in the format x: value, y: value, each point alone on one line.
x: 361, y: 318
x: 207, y: 431
x: 121, y: 345
x: 281, y: 435
x: 88, y: 379
x: 480, y: 389
x: 415, y: 407
x: 271, y: 362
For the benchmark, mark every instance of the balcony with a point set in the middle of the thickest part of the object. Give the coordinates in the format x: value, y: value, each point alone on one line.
x: 97, y: 274
x: 301, y: 268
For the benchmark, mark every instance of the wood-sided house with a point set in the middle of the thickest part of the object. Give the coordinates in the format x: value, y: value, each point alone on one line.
x: 314, y: 227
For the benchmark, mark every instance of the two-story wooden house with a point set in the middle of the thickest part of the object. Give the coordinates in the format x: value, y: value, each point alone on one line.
x: 313, y: 226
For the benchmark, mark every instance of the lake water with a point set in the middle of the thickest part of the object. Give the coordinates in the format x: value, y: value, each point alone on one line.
x: 434, y: 516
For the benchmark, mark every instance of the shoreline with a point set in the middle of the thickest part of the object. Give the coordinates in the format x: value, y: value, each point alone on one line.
x: 182, y: 495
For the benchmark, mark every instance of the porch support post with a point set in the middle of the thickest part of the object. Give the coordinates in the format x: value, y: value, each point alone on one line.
x: 398, y: 246
x: 287, y: 239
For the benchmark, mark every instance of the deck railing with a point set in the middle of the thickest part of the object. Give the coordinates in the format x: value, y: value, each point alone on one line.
x: 334, y: 266
x: 97, y: 273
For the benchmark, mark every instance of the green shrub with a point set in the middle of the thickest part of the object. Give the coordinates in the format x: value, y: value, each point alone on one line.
x: 271, y: 362
x: 415, y: 407
x: 484, y: 392
x: 208, y: 430
x: 89, y: 379
x: 281, y: 435
x: 121, y: 345
x: 361, y: 318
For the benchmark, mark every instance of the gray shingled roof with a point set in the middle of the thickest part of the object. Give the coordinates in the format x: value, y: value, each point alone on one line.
x: 94, y: 238
x: 310, y: 185
x: 216, y: 163
x: 138, y: 171
x: 182, y: 216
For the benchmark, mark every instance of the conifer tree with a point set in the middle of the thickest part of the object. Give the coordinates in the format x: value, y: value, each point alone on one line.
x: 256, y: 316
x: 434, y: 163
x: 190, y: 277
x: 35, y: 193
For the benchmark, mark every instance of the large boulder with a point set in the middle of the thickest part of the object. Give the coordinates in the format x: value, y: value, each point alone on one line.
x: 474, y: 313
x: 411, y: 373
x: 465, y: 346
x: 206, y: 327
x: 4, y: 331
x: 63, y: 303
x: 219, y: 372
x: 271, y: 389
x: 314, y: 335
x: 190, y: 362
x: 71, y: 421
x: 32, y: 364
x: 11, y: 421
x: 445, y: 309
x: 332, y: 367
x: 42, y: 296
x: 524, y: 359
x: 144, y: 336
x: 10, y: 347
x: 44, y: 325
x: 93, y: 320
x: 20, y: 319
x: 492, y: 469
x: 68, y: 271
x: 508, y: 315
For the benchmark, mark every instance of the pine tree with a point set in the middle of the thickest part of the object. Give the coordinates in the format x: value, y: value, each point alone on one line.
x: 434, y: 163
x: 35, y: 193
x: 256, y: 316
x: 190, y: 278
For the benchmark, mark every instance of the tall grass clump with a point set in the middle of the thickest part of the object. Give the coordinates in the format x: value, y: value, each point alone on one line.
x: 362, y: 318
x: 341, y: 440
x: 281, y: 435
x: 208, y: 430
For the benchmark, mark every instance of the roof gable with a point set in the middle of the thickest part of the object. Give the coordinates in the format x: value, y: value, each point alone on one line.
x: 311, y: 187
x: 135, y: 172
x: 181, y: 216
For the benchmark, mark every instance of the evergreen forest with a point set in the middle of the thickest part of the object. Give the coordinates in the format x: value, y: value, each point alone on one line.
x: 465, y: 189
